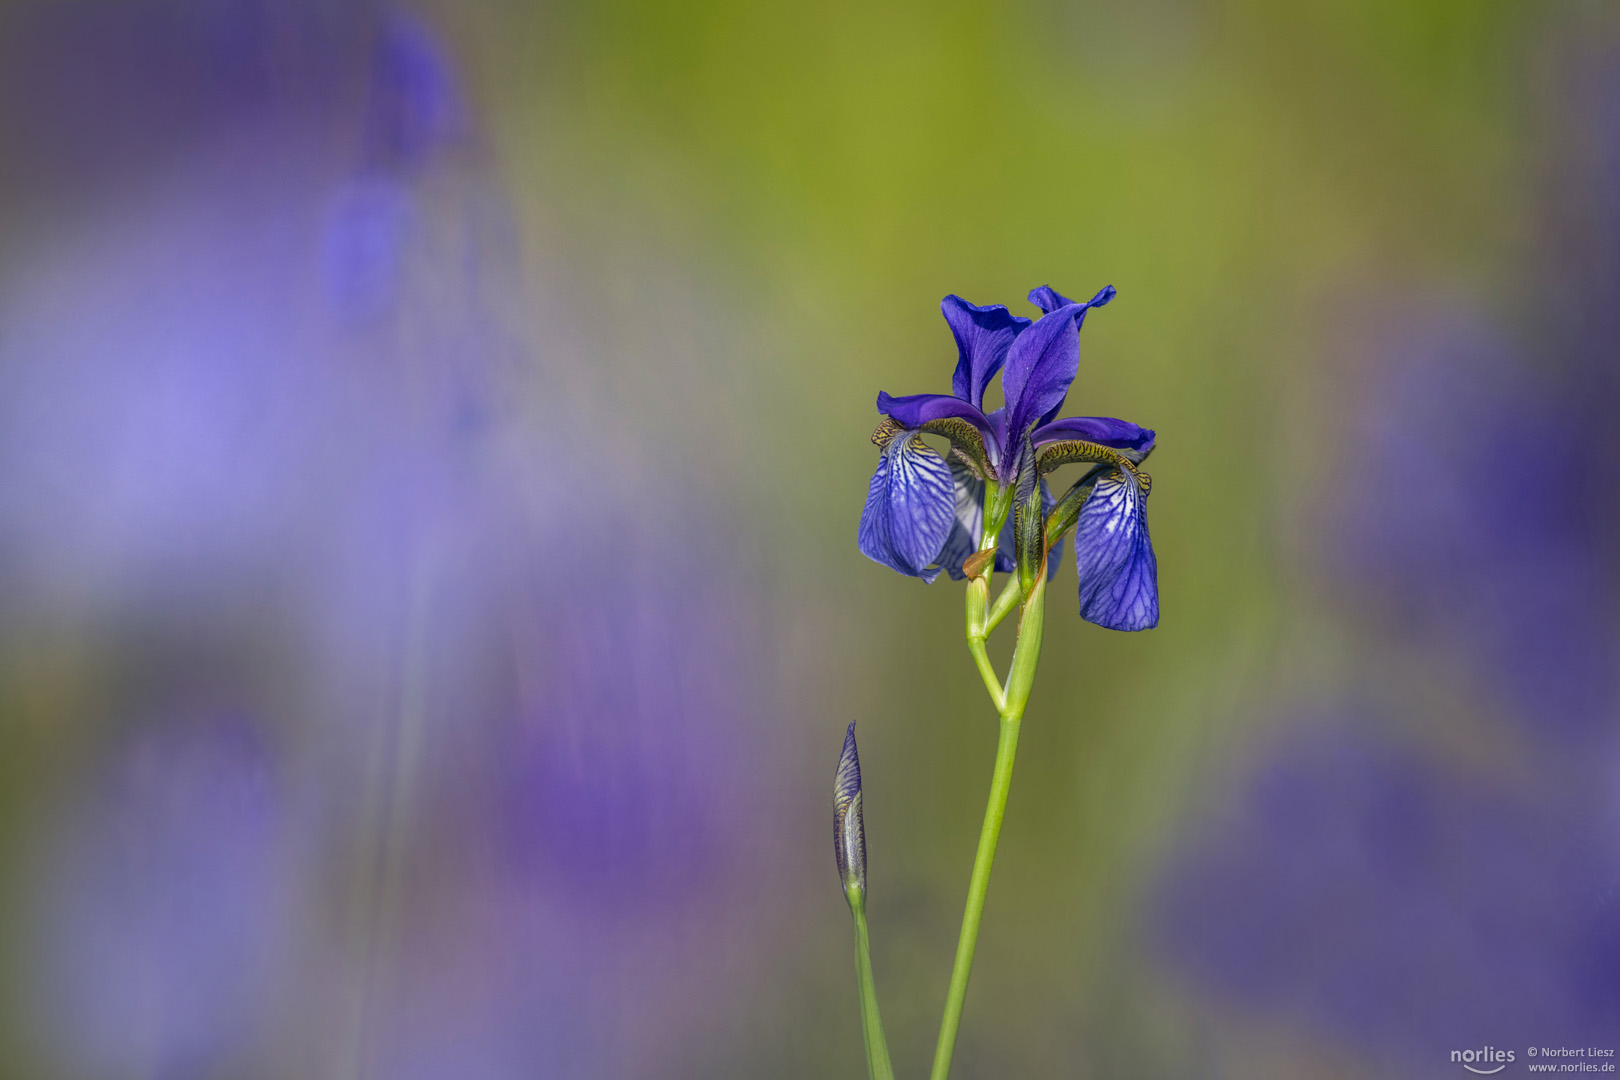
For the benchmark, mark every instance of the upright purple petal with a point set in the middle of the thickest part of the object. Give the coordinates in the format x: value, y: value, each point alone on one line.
x: 1135, y: 442
x: 1040, y: 366
x: 910, y: 507
x: 983, y: 336
x: 1049, y: 300
x: 1113, y: 555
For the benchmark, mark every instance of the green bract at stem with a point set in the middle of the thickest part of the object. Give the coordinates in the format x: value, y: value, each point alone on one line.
x: 1010, y: 703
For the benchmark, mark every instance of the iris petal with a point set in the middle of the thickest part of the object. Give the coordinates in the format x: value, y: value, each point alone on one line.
x: 983, y: 336
x: 1119, y: 575
x: 969, y: 524
x: 968, y: 429
x: 1135, y: 443
x: 1049, y: 300
x: 910, y: 507
x: 1040, y: 366
x: 915, y: 410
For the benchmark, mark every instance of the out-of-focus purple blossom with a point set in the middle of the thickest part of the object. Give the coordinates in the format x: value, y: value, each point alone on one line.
x: 180, y: 409
x: 1472, y: 511
x: 93, y: 98
x: 1475, y: 505
x: 1372, y: 890
x: 414, y: 115
x: 164, y: 915
x: 1368, y: 890
x: 272, y: 389
x: 591, y: 799
x: 364, y: 244
x: 415, y: 107
x: 1400, y: 904
x: 495, y: 986
x: 624, y: 784
x: 150, y: 372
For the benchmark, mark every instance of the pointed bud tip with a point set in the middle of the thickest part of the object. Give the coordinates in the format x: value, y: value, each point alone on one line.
x: 847, y: 781
x: 849, y: 829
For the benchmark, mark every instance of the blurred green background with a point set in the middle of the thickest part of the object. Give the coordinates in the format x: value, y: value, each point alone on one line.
x: 708, y: 235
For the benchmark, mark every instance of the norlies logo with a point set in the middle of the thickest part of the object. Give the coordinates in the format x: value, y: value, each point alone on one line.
x: 1489, y: 1058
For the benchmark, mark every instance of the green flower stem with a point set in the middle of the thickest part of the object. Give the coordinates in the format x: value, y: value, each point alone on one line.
x: 1026, y: 654
x: 986, y: 672
x: 877, y: 1050
x: 1003, y: 605
x: 981, y: 618
x: 978, y: 629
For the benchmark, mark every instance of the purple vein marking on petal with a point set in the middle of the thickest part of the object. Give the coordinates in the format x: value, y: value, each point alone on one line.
x: 910, y: 507
x: 1118, y: 572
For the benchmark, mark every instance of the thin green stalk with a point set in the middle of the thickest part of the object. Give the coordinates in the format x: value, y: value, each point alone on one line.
x: 986, y: 671
x: 1026, y: 654
x: 1003, y: 605
x: 877, y: 1050
x: 981, y: 618
x: 978, y: 593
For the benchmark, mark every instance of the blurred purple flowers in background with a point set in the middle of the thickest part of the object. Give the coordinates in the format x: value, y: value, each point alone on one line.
x: 498, y: 745
x: 400, y: 682
x: 1376, y: 890
x: 629, y: 754
x: 1404, y: 906
x: 1408, y: 887
x: 414, y: 117
x: 1476, y: 515
x: 167, y: 915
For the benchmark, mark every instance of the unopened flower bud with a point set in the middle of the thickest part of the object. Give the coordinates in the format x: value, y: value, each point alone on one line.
x: 849, y: 831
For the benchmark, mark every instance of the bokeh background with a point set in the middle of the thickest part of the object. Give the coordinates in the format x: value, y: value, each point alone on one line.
x: 431, y: 444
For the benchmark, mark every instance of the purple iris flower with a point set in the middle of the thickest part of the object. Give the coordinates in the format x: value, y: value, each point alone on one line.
x: 925, y: 514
